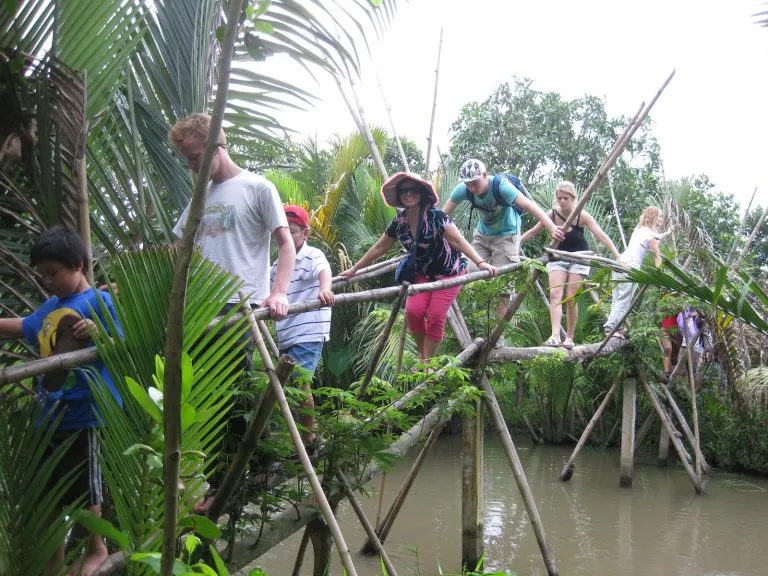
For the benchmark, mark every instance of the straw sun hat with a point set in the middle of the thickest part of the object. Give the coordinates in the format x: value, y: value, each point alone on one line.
x: 389, y: 189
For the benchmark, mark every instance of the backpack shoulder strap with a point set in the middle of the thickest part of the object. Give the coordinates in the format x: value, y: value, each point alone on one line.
x: 495, y: 188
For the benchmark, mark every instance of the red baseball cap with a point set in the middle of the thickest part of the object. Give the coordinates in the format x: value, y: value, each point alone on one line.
x: 296, y: 215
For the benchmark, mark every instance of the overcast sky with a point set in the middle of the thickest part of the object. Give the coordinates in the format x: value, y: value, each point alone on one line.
x: 713, y: 117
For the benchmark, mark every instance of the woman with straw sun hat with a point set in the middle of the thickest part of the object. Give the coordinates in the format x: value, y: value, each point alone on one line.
x: 435, y: 248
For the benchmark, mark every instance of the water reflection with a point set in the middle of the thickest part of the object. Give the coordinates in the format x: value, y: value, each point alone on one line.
x: 658, y: 527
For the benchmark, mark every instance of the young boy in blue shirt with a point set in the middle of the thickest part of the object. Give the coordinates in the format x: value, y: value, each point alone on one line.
x: 63, y: 324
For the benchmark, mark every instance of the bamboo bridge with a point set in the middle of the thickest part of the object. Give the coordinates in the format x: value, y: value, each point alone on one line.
x: 475, y: 354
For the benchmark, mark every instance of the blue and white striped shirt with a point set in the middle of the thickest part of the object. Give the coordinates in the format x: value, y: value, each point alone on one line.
x: 312, y: 326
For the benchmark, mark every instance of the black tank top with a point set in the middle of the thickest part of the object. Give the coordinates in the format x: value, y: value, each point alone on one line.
x: 574, y: 240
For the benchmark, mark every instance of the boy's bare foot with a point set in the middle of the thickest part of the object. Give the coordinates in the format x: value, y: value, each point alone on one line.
x: 203, y: 505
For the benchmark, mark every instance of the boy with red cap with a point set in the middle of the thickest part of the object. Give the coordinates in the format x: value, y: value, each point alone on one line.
x: 301, y: 336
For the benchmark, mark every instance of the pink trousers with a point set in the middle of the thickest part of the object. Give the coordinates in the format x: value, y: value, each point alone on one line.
x: 427, y: 311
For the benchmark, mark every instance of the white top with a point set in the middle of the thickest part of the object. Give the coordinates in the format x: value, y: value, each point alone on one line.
x: 637, y: 248
x: 239, y: 216
x: 312, y: 326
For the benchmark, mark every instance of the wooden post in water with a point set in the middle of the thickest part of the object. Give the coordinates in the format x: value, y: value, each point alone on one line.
x: 472, y: 548
x: 663, y: 457
x: 628, y: 433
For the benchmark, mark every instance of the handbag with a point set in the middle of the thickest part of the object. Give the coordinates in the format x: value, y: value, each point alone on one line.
x: 406, y: 270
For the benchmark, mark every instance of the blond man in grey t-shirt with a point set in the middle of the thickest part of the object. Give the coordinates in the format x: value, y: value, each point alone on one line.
x: 242, y: 212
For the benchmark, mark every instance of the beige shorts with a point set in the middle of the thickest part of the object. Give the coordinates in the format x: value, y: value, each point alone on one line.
x: 568, y: 267
x: 496, y: 250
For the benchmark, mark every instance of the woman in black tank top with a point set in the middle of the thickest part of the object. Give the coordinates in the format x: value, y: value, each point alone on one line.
x: 566, y: 275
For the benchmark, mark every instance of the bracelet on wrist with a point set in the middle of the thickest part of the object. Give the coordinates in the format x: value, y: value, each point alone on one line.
x: 480, y: 262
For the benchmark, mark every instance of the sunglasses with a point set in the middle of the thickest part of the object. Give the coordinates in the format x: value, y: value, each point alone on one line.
x: 409, y: 192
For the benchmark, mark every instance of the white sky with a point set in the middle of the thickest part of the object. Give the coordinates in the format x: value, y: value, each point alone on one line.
x: 713, y: 117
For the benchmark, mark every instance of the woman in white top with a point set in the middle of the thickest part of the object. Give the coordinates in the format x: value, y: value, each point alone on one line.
x: 645, y: 237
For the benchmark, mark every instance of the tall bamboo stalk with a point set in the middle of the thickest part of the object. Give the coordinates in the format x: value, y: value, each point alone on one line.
x: 367, y: 131
x: 175, y: 328
x: 403, y: 159
x: 81, y: 174
x: 434, y: 105
x: 694, y: 410
x: 616, y: 211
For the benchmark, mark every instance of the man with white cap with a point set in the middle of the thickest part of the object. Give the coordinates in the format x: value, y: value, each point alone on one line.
x: 497, y: 236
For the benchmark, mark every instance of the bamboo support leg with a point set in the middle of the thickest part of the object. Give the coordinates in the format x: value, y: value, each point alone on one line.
x: 268, y: 339
x: 389, y: 518
x: 567, y: 472
x: 372, y: 536
x: 285, y: 409
x: 382, y: 343
x: 472, y: 508
x: 256, y: 426
x: 301, y: 552
x: 695, y: 411
x: 645, y: 427
x: 322, y: 546
x: 684, y: 425
x: 672, y: 436
x: 519, y: 474
x: 663, y: 458
x: 628, y: 433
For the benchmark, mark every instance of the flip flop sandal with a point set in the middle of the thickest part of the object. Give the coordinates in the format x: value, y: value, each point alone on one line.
x: 551, y: 341
x: 567, y: 344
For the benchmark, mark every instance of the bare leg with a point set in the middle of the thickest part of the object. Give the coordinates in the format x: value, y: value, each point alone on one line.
x: 420, y: 338
x: 430, y: 347
x: 306, y: 416
x: 557, y: 280
x: 96, y: 554
x: 571, y: 310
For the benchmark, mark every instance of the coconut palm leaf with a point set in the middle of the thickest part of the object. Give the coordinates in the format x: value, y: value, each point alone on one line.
x: 367, y: 333
x: 31, y: 524
x: 144, y: 280
x: 740, y: 297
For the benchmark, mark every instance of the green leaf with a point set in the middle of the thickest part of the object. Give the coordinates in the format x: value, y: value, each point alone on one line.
x: 143, y: 399
x: 204, y: 569
x: 98, y: 525
x: 188, y: 416
x: 376, y: 3
x: 339, y: 358
x: 138, y: 448
x: 220, y: 33
x: 159, y: 372
x: 264, y: 27
x: 187, y: 375
x: 220, y: 566
x: 153, y: 560
x: 202, y: 525
x: 262, y: 8
x: 191, y: 543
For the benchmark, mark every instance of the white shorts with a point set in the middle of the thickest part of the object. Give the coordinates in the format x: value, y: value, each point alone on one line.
x: 569, y: 267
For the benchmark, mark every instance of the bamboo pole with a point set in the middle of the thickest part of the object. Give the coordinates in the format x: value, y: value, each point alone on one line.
x: 628, y: 432
x: 663, y: 456
x: 588, y: 259
x: 382, y: 530
x: 81, y: 175
x: 339, y: 281
x: 367, y: 131
x: 672, y: 436
x: 684, y: 425
x: 372, y: 537
x: 175, y: 325
x: 694, y: 410
x: 616, y: 211
x: 301, y: 552
x: 285, y: 409
x: 267, y: 338
x: 645, y: 427
x: 383, y: 338
x: 258, y: 422
x: 388, y: 108
x: 434, y: 105
x: 569, y: 467
x: 472, y: 492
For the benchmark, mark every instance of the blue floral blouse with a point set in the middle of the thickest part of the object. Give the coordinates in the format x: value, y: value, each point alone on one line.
x: 434, y: 256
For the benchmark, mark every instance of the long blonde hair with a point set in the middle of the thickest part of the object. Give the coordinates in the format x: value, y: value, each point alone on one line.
x: 567, y: 187
x: 651, y: 218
